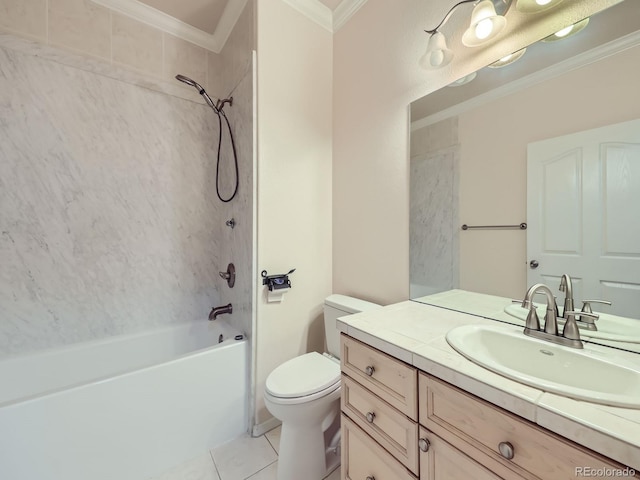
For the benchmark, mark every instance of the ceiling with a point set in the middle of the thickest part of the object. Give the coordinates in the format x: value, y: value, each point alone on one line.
x: 201, y: 14
x: 209, y: 15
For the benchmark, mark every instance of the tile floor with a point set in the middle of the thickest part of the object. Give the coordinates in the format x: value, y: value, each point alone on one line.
x: 244, y: 458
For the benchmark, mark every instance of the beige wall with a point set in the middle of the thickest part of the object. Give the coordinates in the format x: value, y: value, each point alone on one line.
x: 376, y: 76
x: 493, y: 173
x: 294, y: 183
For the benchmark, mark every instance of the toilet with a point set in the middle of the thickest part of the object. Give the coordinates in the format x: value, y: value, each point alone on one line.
x: 304, y: 394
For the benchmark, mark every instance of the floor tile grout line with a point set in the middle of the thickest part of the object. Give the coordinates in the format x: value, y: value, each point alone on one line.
x: 214, y: 464
x: 263, y: 468
x: 271, y: 444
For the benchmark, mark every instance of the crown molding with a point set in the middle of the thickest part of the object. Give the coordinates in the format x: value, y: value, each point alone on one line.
x: 586, y: 58
x: 230, y: 15
x: 323, y: 16
x: 314, y: 10
x: 345, y: 11
x: 166, y: 23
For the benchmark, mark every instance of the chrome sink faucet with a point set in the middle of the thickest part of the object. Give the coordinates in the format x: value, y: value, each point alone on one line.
x: 570, y: 335
x: 567, y: 287
x: 550, y: 318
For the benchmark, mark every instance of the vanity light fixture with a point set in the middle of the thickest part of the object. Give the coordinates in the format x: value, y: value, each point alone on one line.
x: 485, y: 24
x: 464, y: 80
x: 567, y: 31
x: 535, y: 6
x: 438, y: 54
x: 508, y: 60
x: 487, y: 21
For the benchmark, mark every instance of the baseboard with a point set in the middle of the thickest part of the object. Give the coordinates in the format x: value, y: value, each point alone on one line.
x: 262, y: 428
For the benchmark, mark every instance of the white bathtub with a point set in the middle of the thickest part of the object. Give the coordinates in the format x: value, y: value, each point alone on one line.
x: 127, y: 408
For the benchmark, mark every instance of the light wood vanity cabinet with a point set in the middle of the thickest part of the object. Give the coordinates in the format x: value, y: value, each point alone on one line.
x: 442, y: 461
x: 402, y: 424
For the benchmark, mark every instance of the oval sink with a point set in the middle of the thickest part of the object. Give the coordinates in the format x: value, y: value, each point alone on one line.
x: 610, y: 327
x: 569, y: 372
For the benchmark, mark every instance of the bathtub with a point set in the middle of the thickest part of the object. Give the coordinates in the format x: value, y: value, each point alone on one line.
x: 127, y: 408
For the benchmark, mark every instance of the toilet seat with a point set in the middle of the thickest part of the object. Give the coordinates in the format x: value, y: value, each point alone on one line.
x: 303, y: 379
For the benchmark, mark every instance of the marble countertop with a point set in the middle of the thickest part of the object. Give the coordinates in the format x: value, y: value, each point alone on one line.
x: 415, y: 333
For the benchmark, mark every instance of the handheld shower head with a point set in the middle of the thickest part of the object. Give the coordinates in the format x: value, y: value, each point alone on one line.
x: 201, y: 90
x: 188, y: 81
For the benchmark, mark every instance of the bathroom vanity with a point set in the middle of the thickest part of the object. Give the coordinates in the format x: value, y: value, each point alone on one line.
x: 412, y: 407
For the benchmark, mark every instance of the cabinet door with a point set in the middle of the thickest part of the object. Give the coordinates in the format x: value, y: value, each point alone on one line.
x: 364, y: 459
x: 441, y: 461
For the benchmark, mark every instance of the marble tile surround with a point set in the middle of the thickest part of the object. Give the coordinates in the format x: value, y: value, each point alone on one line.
x: 109, y: 222
x: 433, y: 230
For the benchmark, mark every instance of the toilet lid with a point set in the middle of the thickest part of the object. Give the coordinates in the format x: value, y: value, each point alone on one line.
x: 302, y: 376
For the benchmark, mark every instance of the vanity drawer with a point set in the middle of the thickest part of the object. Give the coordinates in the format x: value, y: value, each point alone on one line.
x: 390, y: 428
x: 441, y: 461
x: 363, y: 458
x: 392, y: 380
x: 478, y: 428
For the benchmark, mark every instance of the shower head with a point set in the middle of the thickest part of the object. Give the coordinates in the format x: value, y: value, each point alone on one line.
x: 188, y: 81
x: 201, y: 90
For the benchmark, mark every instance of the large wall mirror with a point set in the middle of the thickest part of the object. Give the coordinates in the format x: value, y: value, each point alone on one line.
x: 471, y: 148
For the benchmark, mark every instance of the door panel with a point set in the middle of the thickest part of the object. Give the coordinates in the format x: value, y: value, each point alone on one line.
x: 583, y: 214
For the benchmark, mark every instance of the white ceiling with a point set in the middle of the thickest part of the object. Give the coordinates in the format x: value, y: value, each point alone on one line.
x: 215, y: 18
x: 201, y: 14
x: 208, y: 23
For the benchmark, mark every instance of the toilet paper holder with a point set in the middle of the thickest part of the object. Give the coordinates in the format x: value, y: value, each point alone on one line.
x: 277, y: 282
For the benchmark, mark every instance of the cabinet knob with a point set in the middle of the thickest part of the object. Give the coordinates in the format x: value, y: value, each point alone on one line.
x: 423, y: 444
x: 369, y: 370
x: 370, y: 417
x: 506, y: 450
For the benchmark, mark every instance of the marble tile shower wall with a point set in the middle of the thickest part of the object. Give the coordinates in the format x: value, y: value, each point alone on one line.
x: 236, y: 245
x: 84, y: 27
x: 109, y: 222
x: 434, y: 258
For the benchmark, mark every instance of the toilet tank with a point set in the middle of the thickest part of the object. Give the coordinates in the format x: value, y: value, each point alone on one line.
x: 338, y: 306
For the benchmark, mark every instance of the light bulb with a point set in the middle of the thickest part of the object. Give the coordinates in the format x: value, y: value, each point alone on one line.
x: 484, y: 28
x: 436, y: 58
x: 535, y: 6
x: 508, y: 59
x: 564, y: 32
x: 569, y: 31
x: 485, y: 24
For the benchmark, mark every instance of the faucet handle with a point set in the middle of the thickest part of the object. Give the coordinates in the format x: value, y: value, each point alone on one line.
x: 523, y: 303
x: 533, y: 322
x: 586, y: 304
x: 571, y: 331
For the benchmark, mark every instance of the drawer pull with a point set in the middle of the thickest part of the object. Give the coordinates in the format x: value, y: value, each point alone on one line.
x: 423, y: 444
x: 371, y: 477
x: 506, y: 450
x: 369, y: 370
x: 370, y: 417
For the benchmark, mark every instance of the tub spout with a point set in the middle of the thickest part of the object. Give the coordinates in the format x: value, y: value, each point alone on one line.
x: 215, y: 311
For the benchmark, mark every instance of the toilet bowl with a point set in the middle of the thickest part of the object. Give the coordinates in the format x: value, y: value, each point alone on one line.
x: 304, y: 394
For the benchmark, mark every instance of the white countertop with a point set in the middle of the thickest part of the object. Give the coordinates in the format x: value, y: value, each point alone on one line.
x: 415, y: 333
